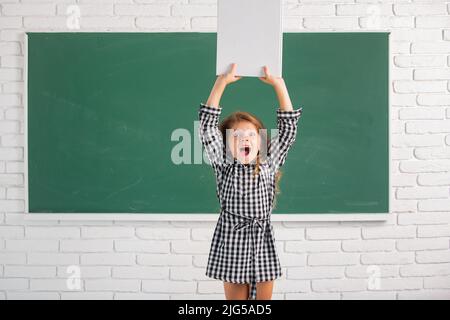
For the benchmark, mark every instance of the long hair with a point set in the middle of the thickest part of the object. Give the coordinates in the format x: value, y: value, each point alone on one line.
x: 239, y: 116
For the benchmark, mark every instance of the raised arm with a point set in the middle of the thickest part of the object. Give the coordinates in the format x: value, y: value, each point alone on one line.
x: 287, y: 120
x: 209, y: 114
x: 209, y: 133
x: 287, y: 131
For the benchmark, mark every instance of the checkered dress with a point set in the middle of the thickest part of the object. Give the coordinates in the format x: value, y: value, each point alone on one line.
x: 243, y: 244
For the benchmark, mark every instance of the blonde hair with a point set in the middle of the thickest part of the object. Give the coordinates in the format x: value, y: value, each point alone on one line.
x: 239, y: 116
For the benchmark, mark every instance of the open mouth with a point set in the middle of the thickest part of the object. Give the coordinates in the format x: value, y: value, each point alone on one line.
x: 245, y: 150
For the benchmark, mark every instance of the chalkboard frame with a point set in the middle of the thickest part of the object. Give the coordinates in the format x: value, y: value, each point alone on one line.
x: 301, y: 217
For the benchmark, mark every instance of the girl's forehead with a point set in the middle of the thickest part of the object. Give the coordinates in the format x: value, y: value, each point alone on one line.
x: 244, y: 125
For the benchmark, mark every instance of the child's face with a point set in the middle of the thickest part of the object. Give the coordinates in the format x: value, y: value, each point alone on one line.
x: 244, y: 142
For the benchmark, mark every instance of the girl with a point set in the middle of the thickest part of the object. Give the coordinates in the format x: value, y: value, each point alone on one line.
x: 243, y: 248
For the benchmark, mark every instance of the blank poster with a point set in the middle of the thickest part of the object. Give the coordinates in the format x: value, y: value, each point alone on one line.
x: 249, y: 33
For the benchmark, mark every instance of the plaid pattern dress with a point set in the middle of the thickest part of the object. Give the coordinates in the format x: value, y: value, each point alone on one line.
x: 243, y: 244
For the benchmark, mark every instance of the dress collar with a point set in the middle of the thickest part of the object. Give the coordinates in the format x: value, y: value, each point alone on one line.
x: 245, y: 165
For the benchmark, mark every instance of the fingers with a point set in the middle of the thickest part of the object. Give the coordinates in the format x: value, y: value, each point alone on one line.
x: 266, y: 71
x: 233, y: 68
x: 264, y: 79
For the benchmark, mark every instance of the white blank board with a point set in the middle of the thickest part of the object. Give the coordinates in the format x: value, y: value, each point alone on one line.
x: 249, y: 33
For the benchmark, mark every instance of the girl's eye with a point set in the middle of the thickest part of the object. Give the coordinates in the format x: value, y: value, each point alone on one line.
x: 240, y: 133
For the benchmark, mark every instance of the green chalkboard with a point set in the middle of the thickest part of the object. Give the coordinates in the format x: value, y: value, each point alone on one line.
x: 106, y: 111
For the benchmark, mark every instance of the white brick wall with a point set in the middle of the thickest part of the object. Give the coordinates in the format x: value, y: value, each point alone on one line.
x: 321, y: 260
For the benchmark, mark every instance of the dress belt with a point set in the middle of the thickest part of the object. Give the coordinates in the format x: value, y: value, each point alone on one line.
x: 252, y: 223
